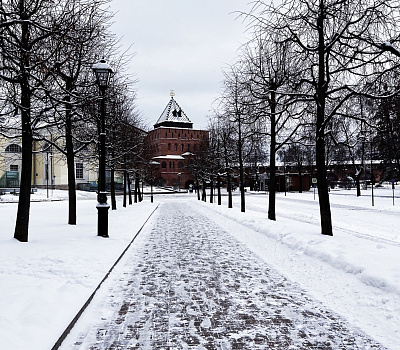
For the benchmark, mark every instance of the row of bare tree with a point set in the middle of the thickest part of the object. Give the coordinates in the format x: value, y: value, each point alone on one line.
x: 315, y: 73
x: 48, y: 93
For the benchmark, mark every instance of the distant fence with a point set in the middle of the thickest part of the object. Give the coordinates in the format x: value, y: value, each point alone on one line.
x: 348, y: 184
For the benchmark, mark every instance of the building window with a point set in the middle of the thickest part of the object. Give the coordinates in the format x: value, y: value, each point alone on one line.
x: 169, y: 147
x: 176, y: 147
x: 180, y: 164
x: 163, y: 165
x: 182, y: 147
x: 188, y: 147
x: 170, y: 165
x: 14, y: 148
x: 13, y: 167
x: 79, y: 170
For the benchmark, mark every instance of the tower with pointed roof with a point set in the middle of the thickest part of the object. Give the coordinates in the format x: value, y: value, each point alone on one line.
x: 173, y: 143
x: 173, y: 116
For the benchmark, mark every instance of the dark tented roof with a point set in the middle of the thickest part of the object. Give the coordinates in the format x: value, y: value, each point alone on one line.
x: 173, y: 116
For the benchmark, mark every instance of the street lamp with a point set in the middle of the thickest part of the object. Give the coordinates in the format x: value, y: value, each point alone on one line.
x: 102, y: 72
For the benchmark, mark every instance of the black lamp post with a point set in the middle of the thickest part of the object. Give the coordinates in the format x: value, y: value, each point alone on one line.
x: 102, y: 72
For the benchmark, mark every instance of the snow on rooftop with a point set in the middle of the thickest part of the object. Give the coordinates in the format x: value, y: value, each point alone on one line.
x: 173, y: 112
x: 169, y: 156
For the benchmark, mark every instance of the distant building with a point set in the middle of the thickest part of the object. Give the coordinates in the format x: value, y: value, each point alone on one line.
x: 49, y: 167
x: 173, y: 143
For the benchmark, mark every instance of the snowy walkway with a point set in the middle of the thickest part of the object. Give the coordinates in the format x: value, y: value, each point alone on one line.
x: 191, y: 285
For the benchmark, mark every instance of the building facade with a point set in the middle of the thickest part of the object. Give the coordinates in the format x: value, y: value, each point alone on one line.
x: 49, y: 168
x: 173, y: 143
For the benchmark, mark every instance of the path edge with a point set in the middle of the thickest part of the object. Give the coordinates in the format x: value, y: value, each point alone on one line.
x: 80, y: 312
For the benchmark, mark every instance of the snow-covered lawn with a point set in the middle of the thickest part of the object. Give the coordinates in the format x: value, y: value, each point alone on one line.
x: 356, y: 273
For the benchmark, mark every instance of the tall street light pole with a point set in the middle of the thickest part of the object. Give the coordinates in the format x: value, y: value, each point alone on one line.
x: 102, y: 72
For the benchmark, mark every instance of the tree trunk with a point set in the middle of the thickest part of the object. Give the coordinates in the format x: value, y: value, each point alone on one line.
x: 272, y: 177
x: 113, y: 200
x: 242, y: 195
x: 323, y: 194
x: 70, y: 160
x: 358, y: 186
x: 219, y: 188
x: 204, y: 194
x: 125, y: 185
x: 212, y: 190
x: 129, y: 189
x: 22, y: 221
x: 300, y: 180
x: 228, y: 175
x: 140, y: 191
x: 322, y: 183
x: 241, y: 171
x: 135, y: 192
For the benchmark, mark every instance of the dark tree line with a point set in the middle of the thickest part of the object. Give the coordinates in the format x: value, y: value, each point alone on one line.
x: 48, y: 96
x: 301, y: 80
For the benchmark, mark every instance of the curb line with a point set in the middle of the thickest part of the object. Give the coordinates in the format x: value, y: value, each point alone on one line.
x: 79, y: 314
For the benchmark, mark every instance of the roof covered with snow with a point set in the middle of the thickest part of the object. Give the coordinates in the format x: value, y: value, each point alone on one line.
x: 173, y: 116
x: 169, y: 156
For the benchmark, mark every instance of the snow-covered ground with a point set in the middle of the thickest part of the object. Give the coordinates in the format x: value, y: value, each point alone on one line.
x: 356, y: 273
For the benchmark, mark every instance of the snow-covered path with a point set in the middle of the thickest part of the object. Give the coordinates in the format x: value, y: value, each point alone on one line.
x: 190, y: 284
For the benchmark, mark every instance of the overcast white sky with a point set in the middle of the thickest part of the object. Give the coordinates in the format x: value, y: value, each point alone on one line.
x: 180, y: 45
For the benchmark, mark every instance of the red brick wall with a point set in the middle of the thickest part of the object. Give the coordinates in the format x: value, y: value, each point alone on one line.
x: 165, y: 141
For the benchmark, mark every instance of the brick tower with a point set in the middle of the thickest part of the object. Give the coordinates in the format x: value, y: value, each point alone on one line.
x: 173, y: 143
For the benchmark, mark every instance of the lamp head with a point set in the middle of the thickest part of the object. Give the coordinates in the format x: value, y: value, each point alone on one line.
x: 102, y: 72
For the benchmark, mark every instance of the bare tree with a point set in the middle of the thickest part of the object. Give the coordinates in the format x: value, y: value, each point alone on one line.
x: 25, y: 32
x: 237, y: 109
x: 340, y: 44
x: 270, y: 69
x: 72, y: 82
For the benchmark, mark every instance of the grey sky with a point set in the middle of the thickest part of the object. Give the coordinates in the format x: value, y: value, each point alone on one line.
x: 180, y: 45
